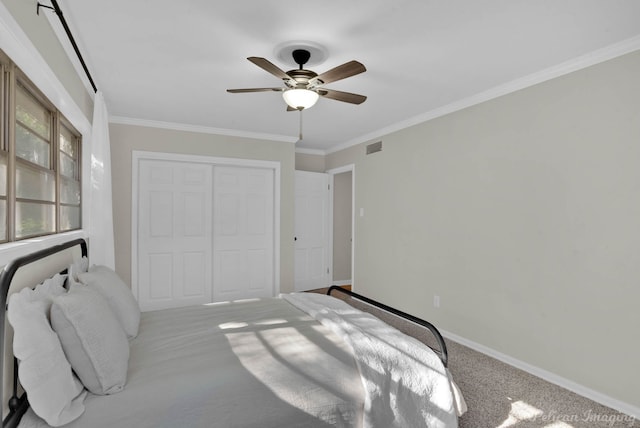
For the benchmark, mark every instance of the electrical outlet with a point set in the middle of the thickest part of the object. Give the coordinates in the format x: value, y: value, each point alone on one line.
x: 436, y: 301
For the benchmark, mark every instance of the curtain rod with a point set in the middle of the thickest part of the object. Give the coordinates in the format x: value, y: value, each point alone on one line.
x: 58, y: 11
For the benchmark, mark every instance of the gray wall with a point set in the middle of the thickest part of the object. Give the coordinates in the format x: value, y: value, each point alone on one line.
x: 127, y: 138
x: 523, y: 215
x: 311, y: 163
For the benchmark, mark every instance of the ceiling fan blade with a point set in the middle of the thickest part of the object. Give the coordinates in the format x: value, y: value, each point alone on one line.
x: 346, y: 97
x: 239, y: 91
x: 270, y: 67
x: 343, y: 71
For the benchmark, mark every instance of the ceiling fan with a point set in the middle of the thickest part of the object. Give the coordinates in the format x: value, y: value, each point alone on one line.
x: 303, y: 87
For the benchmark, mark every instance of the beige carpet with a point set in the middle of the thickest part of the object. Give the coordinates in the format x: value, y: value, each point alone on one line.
x: 500, y: 396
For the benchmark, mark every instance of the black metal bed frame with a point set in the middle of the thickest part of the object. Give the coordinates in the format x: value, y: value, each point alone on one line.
x: 19, y: 405
x: 442, y: 352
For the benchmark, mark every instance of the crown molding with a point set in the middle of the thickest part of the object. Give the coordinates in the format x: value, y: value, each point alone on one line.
x: 592, y: 58
x: 120, y: 120
x: 304, y: 151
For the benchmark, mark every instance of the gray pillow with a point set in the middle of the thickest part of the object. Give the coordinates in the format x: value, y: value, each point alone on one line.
x: 117, y: 293
x: 92, y: 339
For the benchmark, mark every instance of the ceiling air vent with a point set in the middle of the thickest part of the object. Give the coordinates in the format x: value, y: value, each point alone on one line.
x: 374, y: 147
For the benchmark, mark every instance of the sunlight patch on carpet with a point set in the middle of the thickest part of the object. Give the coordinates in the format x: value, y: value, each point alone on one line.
x: 520, y: 411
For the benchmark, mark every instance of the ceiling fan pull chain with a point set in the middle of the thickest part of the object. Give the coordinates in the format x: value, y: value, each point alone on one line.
x: 300, y: 135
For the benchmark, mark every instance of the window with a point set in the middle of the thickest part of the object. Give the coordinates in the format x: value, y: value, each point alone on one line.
x: 69, y: 161
x: 40, y: 187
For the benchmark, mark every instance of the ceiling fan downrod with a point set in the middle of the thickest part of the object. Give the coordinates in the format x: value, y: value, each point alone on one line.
x: 301, y: 57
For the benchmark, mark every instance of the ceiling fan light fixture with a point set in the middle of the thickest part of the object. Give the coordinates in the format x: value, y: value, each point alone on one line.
x: 300, y: 99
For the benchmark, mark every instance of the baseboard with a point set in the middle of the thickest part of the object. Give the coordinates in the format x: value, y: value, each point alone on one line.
x: 582, y: 390
x: 341, y: 283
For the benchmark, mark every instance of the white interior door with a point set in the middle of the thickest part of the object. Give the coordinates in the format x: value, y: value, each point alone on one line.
x: 311, y: 267
x: 174, y: 234
x: 243, y: 233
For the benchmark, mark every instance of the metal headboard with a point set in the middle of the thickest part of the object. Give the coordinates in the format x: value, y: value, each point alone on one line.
x: 18, y: 405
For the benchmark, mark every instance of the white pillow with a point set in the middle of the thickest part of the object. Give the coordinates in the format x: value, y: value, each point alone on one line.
x: 79, y: 266
x: 54, y: 392
x: 92, y: 339
x: 119, y: 296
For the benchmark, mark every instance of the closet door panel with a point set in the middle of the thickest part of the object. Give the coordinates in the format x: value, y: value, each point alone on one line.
x: 174, y: 234
x: 243, y: 241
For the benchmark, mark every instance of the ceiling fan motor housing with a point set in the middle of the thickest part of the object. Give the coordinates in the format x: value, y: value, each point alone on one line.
x: 301, y: 77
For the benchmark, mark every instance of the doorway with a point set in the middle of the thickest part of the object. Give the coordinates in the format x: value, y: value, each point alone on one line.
x: 342, y: 207
x: 312, y: 231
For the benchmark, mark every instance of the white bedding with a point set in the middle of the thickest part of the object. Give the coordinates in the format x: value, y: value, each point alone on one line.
x: 405, y: 382
x: 256, y: 364
x: 264, y: 363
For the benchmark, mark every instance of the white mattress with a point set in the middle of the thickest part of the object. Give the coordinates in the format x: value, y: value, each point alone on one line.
x: 258, y: 363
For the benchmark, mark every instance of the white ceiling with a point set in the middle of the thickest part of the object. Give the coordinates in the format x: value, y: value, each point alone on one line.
x: 168, y: 61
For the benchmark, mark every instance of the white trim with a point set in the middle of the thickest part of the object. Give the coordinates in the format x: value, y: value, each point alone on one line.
x: 579, y: 389
x: 341, y: 169
x: 137, y: 156
x: 135, y: 160
x: 332, y: 172
x: 330, y: 230
x: 592, y: 58
x: 201, y: 129
x: 276, y: 226
x: 304, y: 151
x: 254, y: 163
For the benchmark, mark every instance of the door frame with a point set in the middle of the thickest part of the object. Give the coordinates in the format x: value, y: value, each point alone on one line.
x: 137, y: 156
x: 332, y: 172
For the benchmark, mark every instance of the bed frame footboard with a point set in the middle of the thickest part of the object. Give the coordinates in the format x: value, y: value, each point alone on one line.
x: 442, y: 352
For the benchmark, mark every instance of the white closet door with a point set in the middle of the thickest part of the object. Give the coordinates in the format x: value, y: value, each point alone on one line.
x: 311, y: 266
x: 243, y: 241
x: 174, y: 234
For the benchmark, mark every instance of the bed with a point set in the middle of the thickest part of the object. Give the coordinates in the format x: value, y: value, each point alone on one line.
x: 298, y: 360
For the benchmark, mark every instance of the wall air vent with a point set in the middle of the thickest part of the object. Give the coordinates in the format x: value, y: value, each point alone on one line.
x: 374, y: 147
